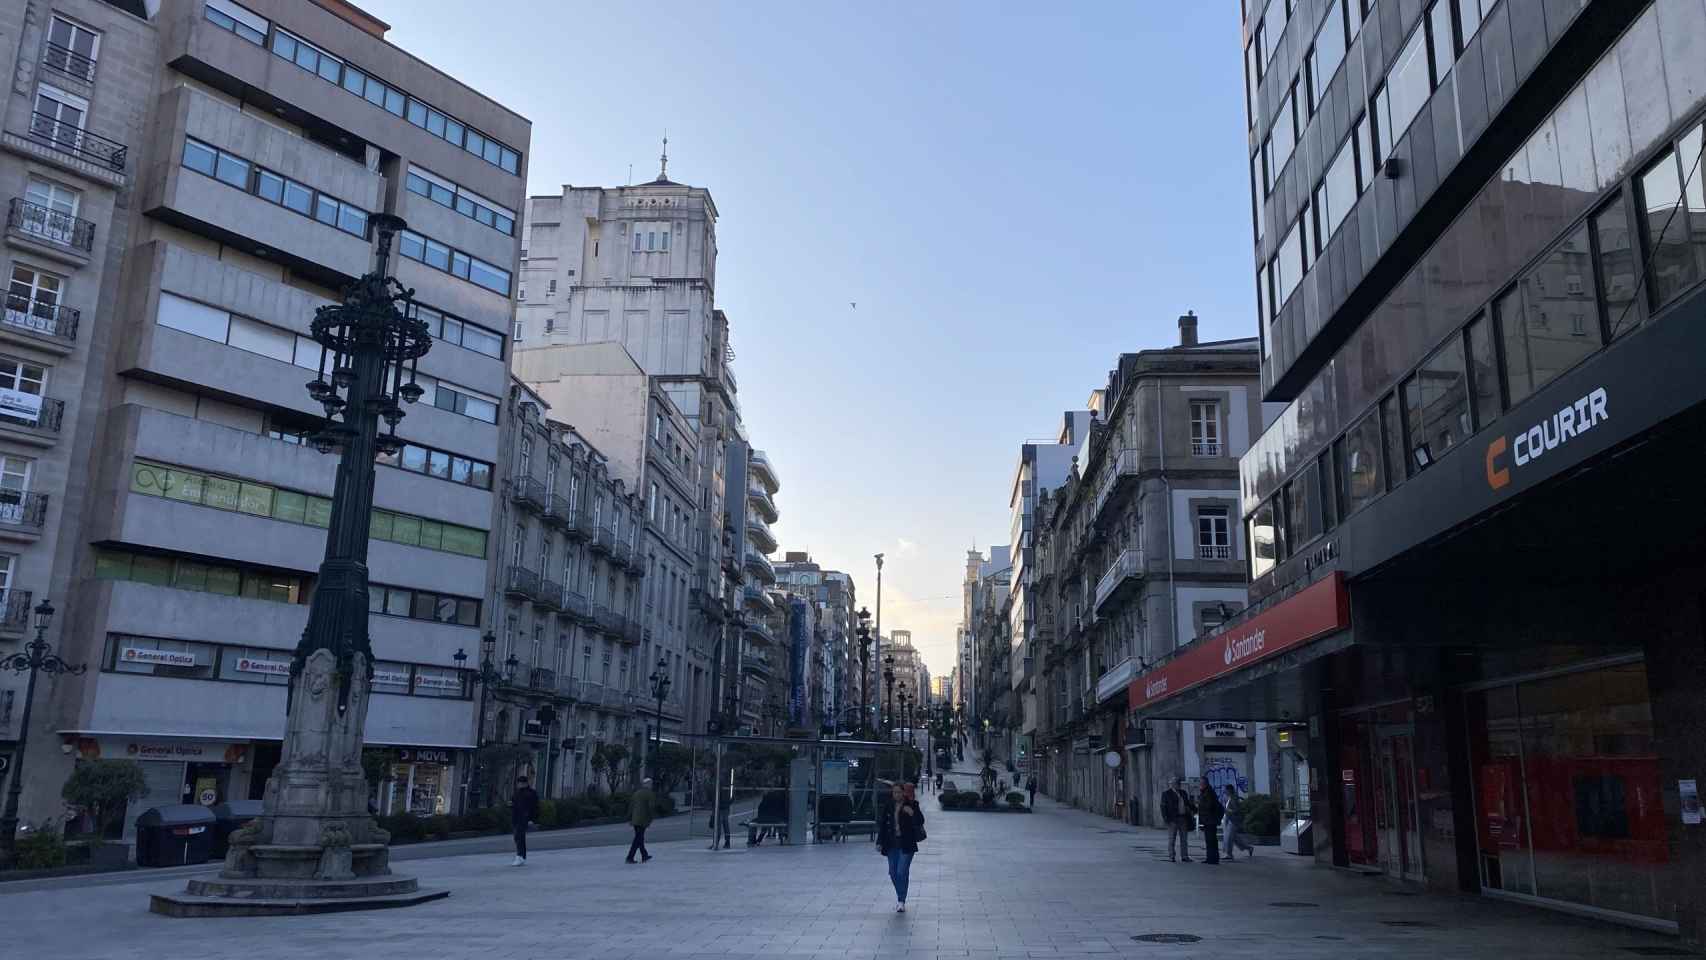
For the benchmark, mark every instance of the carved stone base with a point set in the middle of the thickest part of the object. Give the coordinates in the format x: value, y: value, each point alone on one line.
x: 269, y: 898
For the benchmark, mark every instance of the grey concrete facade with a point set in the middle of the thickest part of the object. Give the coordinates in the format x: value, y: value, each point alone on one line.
x: 182, y: 555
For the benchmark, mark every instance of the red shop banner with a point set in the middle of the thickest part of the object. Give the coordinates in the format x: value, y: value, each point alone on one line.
x: 1315, y: 611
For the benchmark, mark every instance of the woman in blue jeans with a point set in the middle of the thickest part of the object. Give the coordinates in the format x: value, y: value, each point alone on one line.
x: 898, y: 833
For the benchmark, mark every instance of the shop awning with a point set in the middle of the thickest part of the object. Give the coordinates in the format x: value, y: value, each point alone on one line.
x: 1254, y: 670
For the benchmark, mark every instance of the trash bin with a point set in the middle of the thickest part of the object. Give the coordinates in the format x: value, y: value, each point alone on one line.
x: 227, y: 817
x: 174, y: 835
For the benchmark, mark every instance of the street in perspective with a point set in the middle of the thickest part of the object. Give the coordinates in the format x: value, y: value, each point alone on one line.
x: 395, y: 555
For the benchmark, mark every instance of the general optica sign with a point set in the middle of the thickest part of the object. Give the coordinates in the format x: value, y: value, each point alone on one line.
x: 1316, y: 610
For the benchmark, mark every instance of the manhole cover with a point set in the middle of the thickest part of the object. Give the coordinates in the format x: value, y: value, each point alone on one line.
x: 1406, y: 923
x: 1658, y: 951
x: 1166, y: 938
x: 1293, y: 903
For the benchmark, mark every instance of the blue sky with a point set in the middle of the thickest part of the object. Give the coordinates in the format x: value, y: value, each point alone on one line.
x: 1012, y: 197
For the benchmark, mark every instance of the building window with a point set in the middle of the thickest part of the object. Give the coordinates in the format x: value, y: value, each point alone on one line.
x: 454, y: 262
x: 449, y: 328
x: 71, y: 49
x: 524, y: 460
x: 1436, y: 404
x: 446, y: 193
x: 432, y: 462
x: 1205, y: 428
x: 1539, y: 341
x: 1263, y: 537
x: 32, y: 299
x: 55, y: 216
x: 1214, y: 534
x: 235, y: 171
x: 244, y: 23
x: 1360, y: 466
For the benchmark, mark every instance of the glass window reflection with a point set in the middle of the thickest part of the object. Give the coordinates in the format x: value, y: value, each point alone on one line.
x: 1436, y: 405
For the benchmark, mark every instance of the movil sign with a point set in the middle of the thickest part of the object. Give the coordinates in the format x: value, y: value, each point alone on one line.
x: 1243, y: 646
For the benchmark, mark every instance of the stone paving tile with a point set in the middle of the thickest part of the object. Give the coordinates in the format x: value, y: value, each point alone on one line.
x: 1055, y: 885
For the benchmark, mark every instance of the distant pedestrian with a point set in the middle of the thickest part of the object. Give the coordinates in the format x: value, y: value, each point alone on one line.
x: 1177, y: 810
x: 898, y: 833
x: 642, y: 810
x: 523, y: 809
x: 938, y: 781
x: 1235, y: 825
x: 1031, y: 785
x: 1210, y: 812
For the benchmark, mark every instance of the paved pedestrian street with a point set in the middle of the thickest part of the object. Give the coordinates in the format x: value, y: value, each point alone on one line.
x: 1055, y: 884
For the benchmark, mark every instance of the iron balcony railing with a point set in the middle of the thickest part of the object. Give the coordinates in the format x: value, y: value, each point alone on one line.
x: 1126, y: 565
x: 1205, y: 448
x: 603, y: 540
x: 20, y: 509
x: 522, y: 582
x: 576, y: 607
x: 550, y: 594
x: 607, y: 619
x: 42, y: 317
x: 15, y: 611
x: 621, y: 552
x: 557, y: 513
x: 631, y: 631
x: 529, y: 493
x: 542, y: 678
x: 1207, y: 551
x: 51, y: 415
x: 68, y: 137
x: 53, y: 226
x: 69, y: 62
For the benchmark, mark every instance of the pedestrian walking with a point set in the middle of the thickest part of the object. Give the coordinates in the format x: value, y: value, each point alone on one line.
x: 1210, y: 812
x: 1178, y: 810
x: 1031, y: 785
x: 642, y: 810
x: 1235, y: 825
x: 523, y: 809
x: 898, y: 833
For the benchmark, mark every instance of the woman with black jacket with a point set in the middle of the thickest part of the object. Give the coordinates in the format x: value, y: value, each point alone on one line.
x: 898, y: 832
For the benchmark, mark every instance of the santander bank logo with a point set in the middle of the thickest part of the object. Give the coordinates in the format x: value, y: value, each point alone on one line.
x: 1245, y: 647
x: 1155, y: 688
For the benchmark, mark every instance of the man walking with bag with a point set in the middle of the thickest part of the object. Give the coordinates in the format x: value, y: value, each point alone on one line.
x: 1178, y: 810
x: 642, y: 810
x: 1235, y: 825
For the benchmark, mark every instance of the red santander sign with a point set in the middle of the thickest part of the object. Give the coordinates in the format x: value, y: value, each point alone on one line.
x: 1315, y: 611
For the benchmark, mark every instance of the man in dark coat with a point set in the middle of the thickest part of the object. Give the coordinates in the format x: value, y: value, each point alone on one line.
x: 1210, y: 811
x: 1177, y: 810
x: 523, y: 809
x: 642, y: 810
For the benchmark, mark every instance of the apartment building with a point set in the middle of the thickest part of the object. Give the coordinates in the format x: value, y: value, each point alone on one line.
x: 636, y: 266
x: 833, y: 697
x: 986, y: 601
x: 567, y: 535
x: 189, y: 182
x: 1472, y: 522
x: 651, y: 447
x: 1144, y: 554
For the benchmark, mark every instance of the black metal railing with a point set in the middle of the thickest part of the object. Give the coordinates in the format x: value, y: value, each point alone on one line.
x: 557, y: 513
x: 542, y: 678
x: 68, y: 137
x: 48, y: 419
x: 69, y: 62
x: 522, y: 582
x: 38, y: 316
x: 20, y: 509
x: 576, y: 607
x: 530, y: 493
x: 15, y: 611
x: 550, y: 594
x: 621, y: 552
x: 602, y: 539
x: 54, y: 226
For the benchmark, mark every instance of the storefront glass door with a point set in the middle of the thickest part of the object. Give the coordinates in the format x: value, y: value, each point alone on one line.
x: 1567, y: 802
x: 1400, y: 838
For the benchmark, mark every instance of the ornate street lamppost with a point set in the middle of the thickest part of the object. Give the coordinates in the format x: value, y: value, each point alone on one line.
x: 314, y: 832
x: 905, y: 733
x: 888, y: 681
x: 487, y: 676
x: 864, y: 634
x: 36, y: 657
x: 660, y: 689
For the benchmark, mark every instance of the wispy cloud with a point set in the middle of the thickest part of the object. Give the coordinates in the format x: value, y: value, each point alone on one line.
x: 905, y: 546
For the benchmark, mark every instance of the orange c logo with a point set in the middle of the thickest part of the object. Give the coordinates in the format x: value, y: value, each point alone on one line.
x: 1496, y: 476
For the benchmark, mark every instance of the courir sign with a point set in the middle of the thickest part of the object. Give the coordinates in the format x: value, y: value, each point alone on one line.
x: 1315, y: 611
x: 1560, y: 427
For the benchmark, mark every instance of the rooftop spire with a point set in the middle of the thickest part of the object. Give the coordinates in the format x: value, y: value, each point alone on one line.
x: 663, y: 159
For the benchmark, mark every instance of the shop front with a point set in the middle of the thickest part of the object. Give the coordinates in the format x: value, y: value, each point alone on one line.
x: 421, y: 781
x: 203, y: 772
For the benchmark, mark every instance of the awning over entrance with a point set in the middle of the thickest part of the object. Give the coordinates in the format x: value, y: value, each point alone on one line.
x: 1254, y: 670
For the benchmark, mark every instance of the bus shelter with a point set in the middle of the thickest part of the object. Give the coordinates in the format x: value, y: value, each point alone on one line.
x: 803, y: 791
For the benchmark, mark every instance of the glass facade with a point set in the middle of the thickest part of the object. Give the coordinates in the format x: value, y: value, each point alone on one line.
x: 1567, y: 793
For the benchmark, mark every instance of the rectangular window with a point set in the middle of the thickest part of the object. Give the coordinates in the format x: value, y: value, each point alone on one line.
x: 1360, y: 471
x: 1288, y: 266
x: 1393, y: 430
x: 235, y: 18
x: 1440, y: 38
x: 1365, y: 154
x: 1337, y: 193
x: 1303, y: 510
x: 1214, y: 535
x: 1284, y: 135
x: 1205, y: 429
x: 1484, y: 371
x: 1407, y: 87
x: 1537, y: 317
x: 1329, y: 50
x: 1436, y: 403
x: 194, y: 318
x: 1618, y: 271
x: 1671, y: 265
x: 1470, y: 13
x: 71, y: 49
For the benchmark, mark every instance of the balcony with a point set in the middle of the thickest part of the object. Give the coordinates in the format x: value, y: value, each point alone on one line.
x: 39, y: 319
x: 756, y: 627
x: 603, y: 539
x: 15, y: 612
x: 622, y: 553
x: 1116, y: 480
x: 557, y: 513
x: 1214, y: 551
x: 550, y: 595
x: 760, y: 499
x: 542, y: 678
x: 577, y: 523
x: 761, y: 567
x: 757, y: 664
x: 1206, y: 448
x: 523, y: 584
x: 760, y: 534
x: 759, y: 599
x: 1115, y: 681
x: 630, y: 632
x: 69, y: 62
x: 53, y: 231
x: 22, y: 512
x: 529, y: 493
x: 576, y: 607
x: 30, y: 419
x: 1126, y: 569
x: 68, y: 138
x: 759, y: 462
x: 608, y: 620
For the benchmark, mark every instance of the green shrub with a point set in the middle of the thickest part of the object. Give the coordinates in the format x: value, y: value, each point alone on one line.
x: 104, y: 788
x: 1015, y: 798
x: 547, y: 816
x: 497, y: 819
x: 616, y: 805
x: 404, y: 827
x: 1261, y: 815
x: 438, y: 826
x: 41, y: 850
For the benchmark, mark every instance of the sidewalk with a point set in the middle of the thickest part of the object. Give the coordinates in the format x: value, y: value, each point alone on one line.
x: 1057, y: 883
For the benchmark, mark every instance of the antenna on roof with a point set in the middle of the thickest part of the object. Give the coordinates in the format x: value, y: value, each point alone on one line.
x: 663, y: 160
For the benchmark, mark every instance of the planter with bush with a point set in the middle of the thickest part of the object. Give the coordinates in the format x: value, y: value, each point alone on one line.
x: 1261, y: 816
